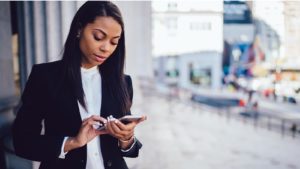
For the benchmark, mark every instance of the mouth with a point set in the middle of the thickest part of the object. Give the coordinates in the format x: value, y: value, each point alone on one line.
x: 100, y: 58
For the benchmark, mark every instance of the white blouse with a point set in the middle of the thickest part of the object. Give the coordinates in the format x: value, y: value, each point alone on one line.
x: 92, y: 87
x: 91, y: 83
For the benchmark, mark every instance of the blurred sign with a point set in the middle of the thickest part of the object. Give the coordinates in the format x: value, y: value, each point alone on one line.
x: 237, y: 12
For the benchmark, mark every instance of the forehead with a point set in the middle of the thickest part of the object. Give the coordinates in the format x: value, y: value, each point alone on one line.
x: 107, y: 24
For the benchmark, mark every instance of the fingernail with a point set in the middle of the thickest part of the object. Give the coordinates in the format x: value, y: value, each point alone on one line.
x: 116, y: 121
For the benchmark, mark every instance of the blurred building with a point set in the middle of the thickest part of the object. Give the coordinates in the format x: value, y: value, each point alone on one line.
x: 292, y: 33
x: 239, y: 33
x: 187, y: 41
x: 34, y: 32
x: 279, y: 40
x: 270, y: 32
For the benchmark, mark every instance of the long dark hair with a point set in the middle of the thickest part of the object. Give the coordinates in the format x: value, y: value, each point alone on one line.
x: 112, y: 70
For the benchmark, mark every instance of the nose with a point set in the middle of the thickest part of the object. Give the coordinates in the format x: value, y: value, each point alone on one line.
x: 105, y: 46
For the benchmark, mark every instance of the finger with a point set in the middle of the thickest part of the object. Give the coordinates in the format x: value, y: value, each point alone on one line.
x: 85, y: 121
x: 85, y: 128
x: 88, y: 125
x: 91, y: 123
x: 114, y: 126
x: 123, y: 126
x: 95, y: 119
x: 125, y: 133
x: 98, y: 118
x: 112, y: 130
x: 108, y: 127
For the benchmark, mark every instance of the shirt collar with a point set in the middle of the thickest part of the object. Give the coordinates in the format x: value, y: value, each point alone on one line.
x: 90, y: 71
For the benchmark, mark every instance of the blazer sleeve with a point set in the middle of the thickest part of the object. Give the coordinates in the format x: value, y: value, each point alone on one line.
x: 134, y: 151
x: 28, y: 141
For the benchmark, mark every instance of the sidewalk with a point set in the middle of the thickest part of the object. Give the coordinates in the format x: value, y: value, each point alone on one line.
x: 283, y: 112
x: 177, y: 136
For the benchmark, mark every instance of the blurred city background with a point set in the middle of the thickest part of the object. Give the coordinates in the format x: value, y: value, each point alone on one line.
x: 218, y: 80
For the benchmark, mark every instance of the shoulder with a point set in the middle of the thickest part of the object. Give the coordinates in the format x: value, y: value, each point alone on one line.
x: 47, y: 69
x: 48, y: 66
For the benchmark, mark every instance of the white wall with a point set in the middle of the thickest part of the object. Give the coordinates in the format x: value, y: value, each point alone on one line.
x: 192, y: 32
x: 137, y: 18
x: 212, y: 60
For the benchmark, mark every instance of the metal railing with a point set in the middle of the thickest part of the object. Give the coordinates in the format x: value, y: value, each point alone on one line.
x: 284, y: 123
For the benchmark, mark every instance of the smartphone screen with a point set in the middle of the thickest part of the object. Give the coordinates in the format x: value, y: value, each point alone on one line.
x: 130, y: 118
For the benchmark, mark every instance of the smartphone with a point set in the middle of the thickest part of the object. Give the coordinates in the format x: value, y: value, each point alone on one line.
x: 130, y: 118
x: 101, y: 126
x: 125, y: 119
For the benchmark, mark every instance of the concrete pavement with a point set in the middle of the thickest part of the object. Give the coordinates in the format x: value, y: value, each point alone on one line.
x: 178, y: 136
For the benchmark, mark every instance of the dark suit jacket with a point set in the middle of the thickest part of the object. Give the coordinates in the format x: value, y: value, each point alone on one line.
x: 49, y: 99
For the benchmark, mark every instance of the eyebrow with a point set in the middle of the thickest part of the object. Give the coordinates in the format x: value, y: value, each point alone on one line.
x: 105, y: 33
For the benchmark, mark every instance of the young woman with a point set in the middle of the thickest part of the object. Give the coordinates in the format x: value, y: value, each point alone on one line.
x: 73, y: 96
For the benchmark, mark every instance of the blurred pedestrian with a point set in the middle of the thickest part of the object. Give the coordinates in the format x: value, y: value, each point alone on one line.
x: 73, y: 96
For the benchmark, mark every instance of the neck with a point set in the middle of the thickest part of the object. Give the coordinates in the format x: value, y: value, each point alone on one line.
x: 87, y: 66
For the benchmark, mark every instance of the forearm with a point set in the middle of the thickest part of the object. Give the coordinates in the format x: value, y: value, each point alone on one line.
x: 71, y: 144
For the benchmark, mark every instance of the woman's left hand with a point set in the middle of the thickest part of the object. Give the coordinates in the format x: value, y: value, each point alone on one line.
x: 123, y: 132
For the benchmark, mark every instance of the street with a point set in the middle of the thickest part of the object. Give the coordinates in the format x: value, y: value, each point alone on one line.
x: 180, y: 136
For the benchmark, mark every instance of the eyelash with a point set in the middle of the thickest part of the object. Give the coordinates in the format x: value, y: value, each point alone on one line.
x: 99, y: 39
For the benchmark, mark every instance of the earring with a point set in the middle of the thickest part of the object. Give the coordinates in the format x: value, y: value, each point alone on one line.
x: 78, y: 35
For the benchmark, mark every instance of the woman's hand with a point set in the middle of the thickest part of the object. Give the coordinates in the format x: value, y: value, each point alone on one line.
x: 86, y: 133
x: 121, y: 131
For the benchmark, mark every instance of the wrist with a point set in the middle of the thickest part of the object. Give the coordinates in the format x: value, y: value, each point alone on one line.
x: 127, y: 140
x: 124, y: 144
x: 72, y: 143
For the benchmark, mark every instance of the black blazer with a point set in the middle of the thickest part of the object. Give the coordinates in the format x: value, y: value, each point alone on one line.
x: 48, y: 99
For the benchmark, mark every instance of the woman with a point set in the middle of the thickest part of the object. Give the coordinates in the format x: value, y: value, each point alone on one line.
x: 72, y: 96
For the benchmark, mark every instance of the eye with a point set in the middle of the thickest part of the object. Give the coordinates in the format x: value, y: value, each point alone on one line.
x: 115, y: 42
x: 97, y: 38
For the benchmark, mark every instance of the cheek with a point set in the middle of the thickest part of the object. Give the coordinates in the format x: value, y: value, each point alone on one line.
x: 113, y: 49
x: 87, y: 46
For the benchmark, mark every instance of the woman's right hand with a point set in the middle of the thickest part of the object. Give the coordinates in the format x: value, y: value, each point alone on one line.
x: 86, y: 133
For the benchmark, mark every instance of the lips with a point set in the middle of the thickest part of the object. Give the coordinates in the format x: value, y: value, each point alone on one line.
x: 99, y: 58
